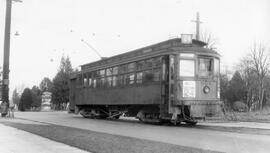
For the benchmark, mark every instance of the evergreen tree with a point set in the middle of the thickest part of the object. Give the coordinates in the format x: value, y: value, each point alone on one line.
x: 46, y: 85
x: 26, y: 100
x: 15, y: 97
x: 224, y: 88
x: 237, y: 90
x: 36, y: 97
x: 60, y: 90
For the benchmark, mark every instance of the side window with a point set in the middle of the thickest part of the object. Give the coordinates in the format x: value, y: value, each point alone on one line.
x: 124, y: 79
x: 102, y: 73
x: 102, y: 82
x: 98, y: 82
x: 139, y: 77
x: 94, y: 79
x: 109, y: 71
x: 122, y: 69
x: 115, y: 70
x: 119, y: 80
x: 156, y: 73
x: 94, y: 83
x: 94, y: 74
x: 140, y: 65
x: 157, y: 62
x: 130, y: 78
x: 85, y: 80
x: 149, y: 70
x: 131, y: 67
x: 109, y: 81
x: 101, y: 78
x: 147, y: 76
x: 90, y: 79
x: 148, y: 63
x: 114, y: 77
x: 114, y: 81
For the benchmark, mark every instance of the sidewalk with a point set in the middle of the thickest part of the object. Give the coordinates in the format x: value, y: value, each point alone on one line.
x: 254, y: 125
x: 16, y: 141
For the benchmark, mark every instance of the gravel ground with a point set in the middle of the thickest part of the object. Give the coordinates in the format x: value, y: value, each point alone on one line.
x: 101, y: 142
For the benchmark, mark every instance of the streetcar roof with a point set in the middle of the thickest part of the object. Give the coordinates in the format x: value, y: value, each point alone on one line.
x: 196, y: 46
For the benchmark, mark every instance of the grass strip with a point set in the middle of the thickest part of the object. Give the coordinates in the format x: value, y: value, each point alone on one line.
x: 98, y: 142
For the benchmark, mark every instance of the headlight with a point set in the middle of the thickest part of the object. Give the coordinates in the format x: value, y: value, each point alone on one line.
x: 206, y: 89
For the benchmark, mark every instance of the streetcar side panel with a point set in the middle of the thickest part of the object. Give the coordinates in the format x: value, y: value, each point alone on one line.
x: 144, y: 94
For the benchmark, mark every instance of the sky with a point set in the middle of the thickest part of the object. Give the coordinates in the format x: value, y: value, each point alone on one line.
x: 49, y: 29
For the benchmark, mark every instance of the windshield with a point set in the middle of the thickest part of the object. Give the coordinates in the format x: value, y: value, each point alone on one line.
x: 186, y: 68
x: 205, y: 66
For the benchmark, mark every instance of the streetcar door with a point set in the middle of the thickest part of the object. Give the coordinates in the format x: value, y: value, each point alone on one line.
x: 72, y: 94
x: 164, y: 86
x: 79, y: 91
x: 172, y: 81
x: 168, y: 84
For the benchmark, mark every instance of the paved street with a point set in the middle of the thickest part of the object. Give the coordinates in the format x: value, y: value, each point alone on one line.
x: 202, y: 138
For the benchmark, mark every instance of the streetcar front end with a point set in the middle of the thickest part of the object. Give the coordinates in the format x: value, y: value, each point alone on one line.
x: 195, y: 85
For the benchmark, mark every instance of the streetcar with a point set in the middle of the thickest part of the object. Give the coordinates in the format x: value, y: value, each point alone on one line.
x: 175, y: 81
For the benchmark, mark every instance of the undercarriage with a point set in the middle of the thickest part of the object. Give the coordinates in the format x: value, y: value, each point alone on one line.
x: 146, y: 114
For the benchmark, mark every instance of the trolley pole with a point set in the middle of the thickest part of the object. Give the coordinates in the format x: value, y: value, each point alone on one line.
x: 5, y: 85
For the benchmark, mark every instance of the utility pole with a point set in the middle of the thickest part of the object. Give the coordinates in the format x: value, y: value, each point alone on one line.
x: 198, y: 22
x: 5, y: 87
x: 5, y: 82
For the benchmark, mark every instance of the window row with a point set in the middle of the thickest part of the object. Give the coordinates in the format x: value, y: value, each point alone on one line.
x: 123, y: 79
x: 127, y: 68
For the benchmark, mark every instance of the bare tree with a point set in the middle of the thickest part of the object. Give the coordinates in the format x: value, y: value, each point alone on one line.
x: 260, y: 64
x: 251, y: 83
x: 210, y: 40
x: 254, y: 68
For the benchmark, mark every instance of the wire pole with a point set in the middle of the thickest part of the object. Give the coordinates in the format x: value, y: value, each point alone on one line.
x: 5, y: 82
x: 198, y: 22
x: 5, y: 87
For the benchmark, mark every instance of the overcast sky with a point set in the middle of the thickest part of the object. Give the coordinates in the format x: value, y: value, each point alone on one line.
x: 49, y: 29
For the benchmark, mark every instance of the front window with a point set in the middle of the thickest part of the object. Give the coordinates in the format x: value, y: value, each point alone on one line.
x: 205, y: 66
x: 186, y: 68
x: 216, y: 66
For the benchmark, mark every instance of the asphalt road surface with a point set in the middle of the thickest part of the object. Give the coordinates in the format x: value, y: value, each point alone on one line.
x: 196, y: 137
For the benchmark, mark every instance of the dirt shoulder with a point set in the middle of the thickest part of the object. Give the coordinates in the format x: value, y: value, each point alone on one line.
x: 230, y: 116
